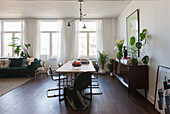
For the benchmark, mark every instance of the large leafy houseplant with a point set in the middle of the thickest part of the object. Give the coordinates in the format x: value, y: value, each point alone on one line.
x: 19, y: 47
x: 102, y: 58
x: 139, y: 45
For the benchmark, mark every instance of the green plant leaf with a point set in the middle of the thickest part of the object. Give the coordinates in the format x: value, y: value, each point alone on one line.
x: 138, y: 45
x: 17, y: 50
x: 145, y: 59
x: 22, y: 54
x: 132, y: 40
x: 15, y: 38
x: 12, y: 45
x: 27, y: 45
x: 143, y: 35
x: 144, y: 31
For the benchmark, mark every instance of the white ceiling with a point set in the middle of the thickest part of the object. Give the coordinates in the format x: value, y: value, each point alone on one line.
x: 60, y: 8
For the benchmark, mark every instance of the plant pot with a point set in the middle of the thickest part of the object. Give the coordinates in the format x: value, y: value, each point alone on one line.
x: 111, y: 73
x: 134, y: 61
x: 102, y: 71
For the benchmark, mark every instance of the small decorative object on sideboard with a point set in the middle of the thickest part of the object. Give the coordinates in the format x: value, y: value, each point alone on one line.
x: 119, y: 45
x: 134, y: 61
x: 124, y: 52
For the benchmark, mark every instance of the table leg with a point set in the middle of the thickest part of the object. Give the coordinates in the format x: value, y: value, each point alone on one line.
x: 90, y: 88
x: 59, y: 86
x: 71, y: 79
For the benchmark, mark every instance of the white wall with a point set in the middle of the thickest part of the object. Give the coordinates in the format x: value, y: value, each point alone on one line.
x: 109, y: 36
x: 154, y: 16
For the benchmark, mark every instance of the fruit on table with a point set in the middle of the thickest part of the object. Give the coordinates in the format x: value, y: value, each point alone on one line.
x: 76, y: 63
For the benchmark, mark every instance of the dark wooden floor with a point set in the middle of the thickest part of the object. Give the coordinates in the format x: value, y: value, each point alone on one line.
x: 30, y: 98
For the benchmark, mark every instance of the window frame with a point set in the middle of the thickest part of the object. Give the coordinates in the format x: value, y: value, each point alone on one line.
x: 50, y: 37
x: 88, y: 38
x: 13, y: 35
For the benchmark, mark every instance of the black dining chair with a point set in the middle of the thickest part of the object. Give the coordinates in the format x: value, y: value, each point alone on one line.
x: 73, y: 95
x: 95, y: 75
x: 95, y: 83
x: 60, y: 64
x: 55, y: 77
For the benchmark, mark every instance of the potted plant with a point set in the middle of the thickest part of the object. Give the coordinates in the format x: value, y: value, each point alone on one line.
x: 102, y: 59
x: 119, y: 47
x: 138, y: 45
x: 20, y: 48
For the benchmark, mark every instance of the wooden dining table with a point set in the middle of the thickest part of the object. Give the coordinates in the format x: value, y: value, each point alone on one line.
x: 68, y: 68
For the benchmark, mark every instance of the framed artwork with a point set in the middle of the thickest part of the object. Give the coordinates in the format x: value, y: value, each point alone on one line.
x: 132, y: 29
x: 162, y: 90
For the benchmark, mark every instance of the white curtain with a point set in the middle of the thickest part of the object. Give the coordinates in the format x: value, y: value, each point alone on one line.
x: 0, y: 40
x: 99, y: 33
x: 74, y: 50
x: 62, y: 43
x: 31, y: 35
x: 61, y: 48
x: 36, y: 43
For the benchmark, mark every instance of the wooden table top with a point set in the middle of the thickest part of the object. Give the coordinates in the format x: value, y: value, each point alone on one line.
x: 68, y: 68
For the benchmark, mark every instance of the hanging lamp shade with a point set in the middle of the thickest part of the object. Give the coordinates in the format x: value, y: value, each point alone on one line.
x: 84, y: 27
x: 69, y: 24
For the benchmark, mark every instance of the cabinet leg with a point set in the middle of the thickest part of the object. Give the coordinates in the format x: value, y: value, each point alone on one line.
x: 128, y: 91
x: 145, y: 93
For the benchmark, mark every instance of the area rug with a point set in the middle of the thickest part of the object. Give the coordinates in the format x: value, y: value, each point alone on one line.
x: 8, y: 84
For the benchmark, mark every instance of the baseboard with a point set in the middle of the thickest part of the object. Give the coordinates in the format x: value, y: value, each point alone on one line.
x: 150, y: 98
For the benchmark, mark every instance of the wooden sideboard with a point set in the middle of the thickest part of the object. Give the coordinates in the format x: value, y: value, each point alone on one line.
x: 132, y: 76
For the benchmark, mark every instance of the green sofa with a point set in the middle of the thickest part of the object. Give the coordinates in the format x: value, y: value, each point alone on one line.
x: 16, y: 68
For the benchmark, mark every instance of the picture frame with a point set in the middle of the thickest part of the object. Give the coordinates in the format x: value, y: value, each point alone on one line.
x: 162, y: 90
x: 132, y: 29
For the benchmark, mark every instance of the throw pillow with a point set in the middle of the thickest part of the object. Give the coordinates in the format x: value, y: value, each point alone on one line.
x: 16, y: 62
x: 30, y: 60
x: 4, y: 63
x: 24, y: 63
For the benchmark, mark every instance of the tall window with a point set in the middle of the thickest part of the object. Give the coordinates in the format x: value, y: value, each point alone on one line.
x: 88, y: 40
x: 10, y: 29
x: 50, y: 38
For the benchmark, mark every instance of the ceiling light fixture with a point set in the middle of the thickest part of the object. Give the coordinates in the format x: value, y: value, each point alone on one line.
x: 81, y: 16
